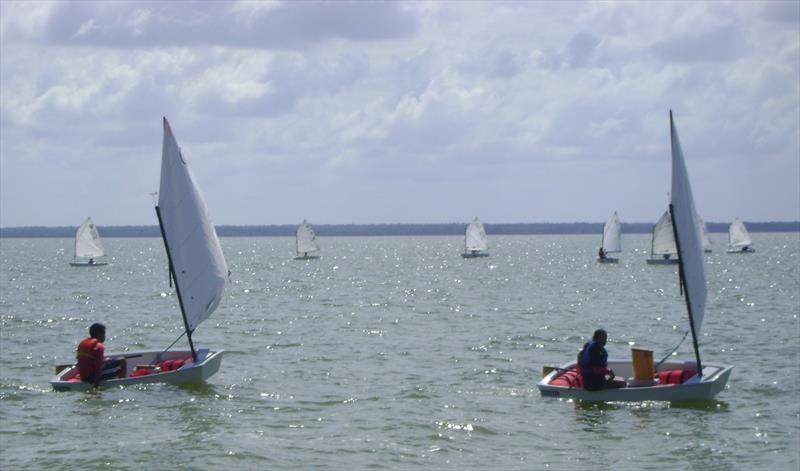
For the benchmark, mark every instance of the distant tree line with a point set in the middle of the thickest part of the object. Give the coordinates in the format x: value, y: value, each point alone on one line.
x: 388, y: 229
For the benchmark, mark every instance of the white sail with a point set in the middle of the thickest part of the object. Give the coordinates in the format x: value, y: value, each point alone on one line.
x: 87, y: 241
x: 197, y: 261
x: 612, y: 233
x: 475, y: 237
x: 306, y: 239
x: 664, y: 237
x: 738, y: 237
x: 706, y: 239
x: 689, y: 237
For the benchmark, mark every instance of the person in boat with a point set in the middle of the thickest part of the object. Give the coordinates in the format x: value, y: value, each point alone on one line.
x: 601, y: 254
x: 92, y: 365
x: 667, y: 256
x: 593, y: 364
x: 91, y: 261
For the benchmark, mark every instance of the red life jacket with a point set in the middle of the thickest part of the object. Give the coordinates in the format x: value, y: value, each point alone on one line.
x: 90, y: 357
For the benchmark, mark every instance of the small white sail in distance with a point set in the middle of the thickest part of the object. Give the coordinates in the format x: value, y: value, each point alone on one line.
x: 612, y: 232
x: 738, y: 237
x: 705, y: 237
x: 663, y: 236
x: 87, y: 241
x: 198, y: 264
x: 306, y: 239
x: 475, y: 237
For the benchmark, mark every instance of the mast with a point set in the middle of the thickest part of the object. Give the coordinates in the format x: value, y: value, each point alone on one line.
x: 177, y: 286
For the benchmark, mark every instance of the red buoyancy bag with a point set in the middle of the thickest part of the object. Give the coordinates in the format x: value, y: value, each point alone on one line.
x: 674, y: 376
x: 568, y: 379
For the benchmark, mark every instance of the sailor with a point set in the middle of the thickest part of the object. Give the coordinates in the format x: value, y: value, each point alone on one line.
x: 92, y: 367
x: 601, y: 254
x: 594, y: 364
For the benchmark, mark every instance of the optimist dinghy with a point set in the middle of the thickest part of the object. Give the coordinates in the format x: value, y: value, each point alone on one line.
x: 739, y: 240
x: 88, y: 245
x: 668, y: 381
x: 476, y: 243
x: 198, y: 268
x: 306, y: 242
x: 612, y: 233
x: 662, y: 247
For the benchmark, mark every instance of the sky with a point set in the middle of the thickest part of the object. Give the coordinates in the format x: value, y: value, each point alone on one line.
x: 399, y: 112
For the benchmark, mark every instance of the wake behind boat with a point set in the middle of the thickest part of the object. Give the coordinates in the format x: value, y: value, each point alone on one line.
x: 667, y: 381
x: 476, y: 243
x: 198, y: 268
x: 88, y: 246
x: 612, y: 234
x: 662, y: 247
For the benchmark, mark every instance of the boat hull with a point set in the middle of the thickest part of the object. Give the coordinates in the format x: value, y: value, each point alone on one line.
x: 748, y: 250
x: 86, y: 264
x: 307, y: 257
x: 704, y: 388
x: 474, y: 254
x: 608, y: 260
x: 208, y: 364
x: 662, y: 261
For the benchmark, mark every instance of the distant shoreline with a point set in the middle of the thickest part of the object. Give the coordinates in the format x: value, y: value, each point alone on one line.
x: 286, y: 230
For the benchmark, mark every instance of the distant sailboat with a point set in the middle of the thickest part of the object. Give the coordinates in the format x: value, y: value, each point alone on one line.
x: 704, y: 237
x: 306, y: 242
x: 662, y: 247
x: 197, y: 266
x: 88, y: 246
x: 475, y: 242
x: 612, y: 233
x: 739, y: 240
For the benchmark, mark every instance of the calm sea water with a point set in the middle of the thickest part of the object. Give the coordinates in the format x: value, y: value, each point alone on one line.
x: 396, y: 353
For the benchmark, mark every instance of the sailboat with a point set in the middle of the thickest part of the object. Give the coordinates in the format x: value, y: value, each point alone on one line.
x: 198, y: 268
x: 671, y: 380
x: 612, y: 232
x: 306, y: 242
x: 662, y: 247
x: 739, y: 240
x: 475, y: 242
x: 88, y: 245
x: 704, y: 235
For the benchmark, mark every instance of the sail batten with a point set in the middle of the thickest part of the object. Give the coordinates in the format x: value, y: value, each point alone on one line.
x: 475, y: 239
x: 612, y: 232
x: 87, y: 241
x: 198, y: 263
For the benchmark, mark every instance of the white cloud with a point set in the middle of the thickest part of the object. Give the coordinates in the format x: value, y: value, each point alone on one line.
x: 385, y: 111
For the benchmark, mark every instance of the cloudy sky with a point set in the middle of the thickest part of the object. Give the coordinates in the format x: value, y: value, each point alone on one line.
x: 419, y: 112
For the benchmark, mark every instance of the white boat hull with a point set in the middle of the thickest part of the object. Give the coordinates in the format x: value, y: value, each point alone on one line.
x: 474, y: 254
x: 87, y: 264
x: 704, y: 388
x: 662, y: 261
x: 608, y: 260
x: 307, y: 257
x: 208, y: 364
x: 747, y: 250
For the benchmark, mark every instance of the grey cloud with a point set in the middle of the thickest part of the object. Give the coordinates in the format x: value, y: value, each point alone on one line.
x: 581, y: 49
x: 717, y: 45
x: 285, y: 25
x: 492, y: 63
x: 788, y: 11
